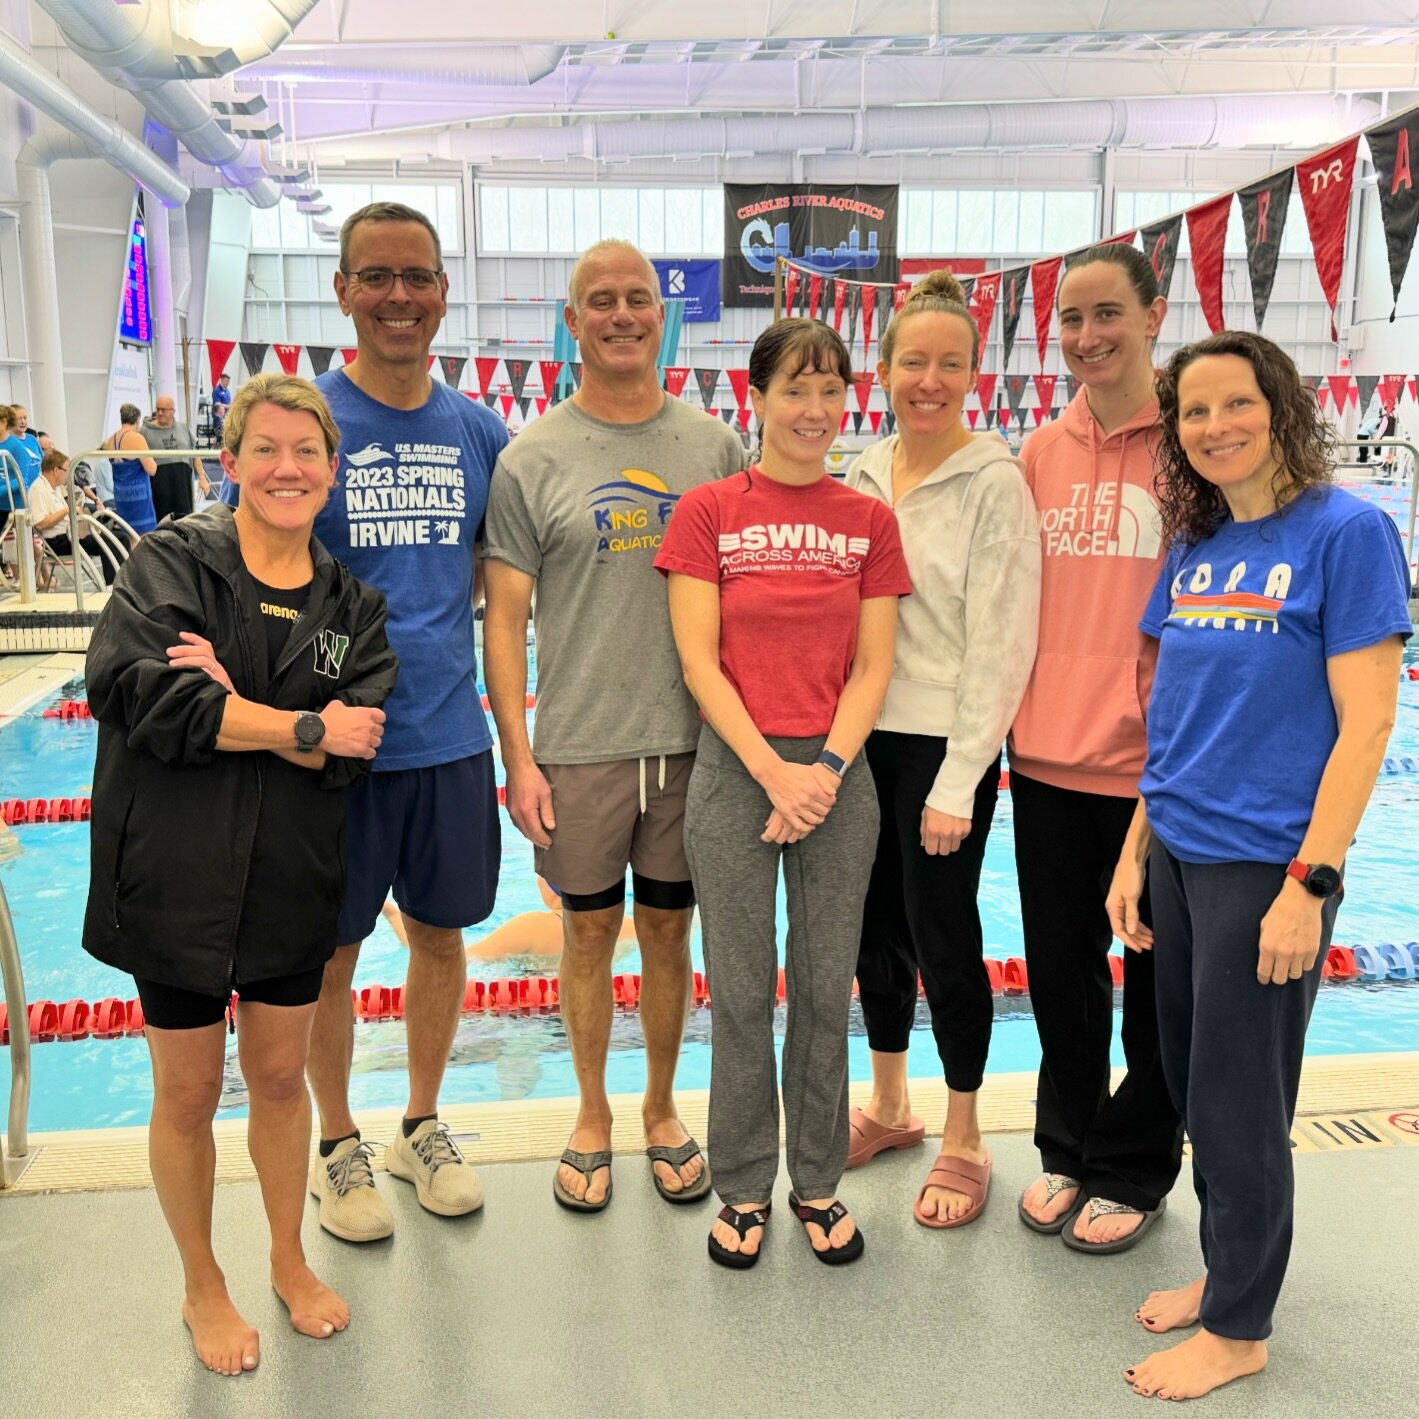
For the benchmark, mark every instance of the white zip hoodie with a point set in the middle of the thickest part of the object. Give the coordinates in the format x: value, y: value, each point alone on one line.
x: 966, y: 635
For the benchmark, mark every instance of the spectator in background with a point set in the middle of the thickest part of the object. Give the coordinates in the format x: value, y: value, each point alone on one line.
x: 221, y: 402
x: 133, y: 474
x: 12, y: 468
x: 172, y: 483
x: 32, y: 452
x: 49, y: 514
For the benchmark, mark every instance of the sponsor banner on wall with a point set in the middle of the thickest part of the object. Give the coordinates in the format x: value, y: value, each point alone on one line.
x: 848, y: 231
x: 695, y: 283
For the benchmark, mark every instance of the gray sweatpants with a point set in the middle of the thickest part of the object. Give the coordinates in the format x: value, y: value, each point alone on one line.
x: 735, y: 876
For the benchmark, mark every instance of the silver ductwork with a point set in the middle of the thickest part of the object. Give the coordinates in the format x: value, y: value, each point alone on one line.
x: 505, y: 65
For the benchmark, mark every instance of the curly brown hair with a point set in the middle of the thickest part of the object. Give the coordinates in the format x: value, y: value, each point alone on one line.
x: 1301, y: 439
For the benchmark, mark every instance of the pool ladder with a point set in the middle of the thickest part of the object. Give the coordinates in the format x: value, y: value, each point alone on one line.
x: 17, y: 1146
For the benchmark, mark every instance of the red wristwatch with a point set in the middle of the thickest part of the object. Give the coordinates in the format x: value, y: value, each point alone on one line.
x: 1319, y: 879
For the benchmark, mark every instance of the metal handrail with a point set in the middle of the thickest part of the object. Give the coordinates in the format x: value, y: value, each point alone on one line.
x: 12, y: 972
x: 1410, y: 550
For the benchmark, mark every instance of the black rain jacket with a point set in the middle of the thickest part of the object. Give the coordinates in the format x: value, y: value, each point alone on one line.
x: 210, y: 868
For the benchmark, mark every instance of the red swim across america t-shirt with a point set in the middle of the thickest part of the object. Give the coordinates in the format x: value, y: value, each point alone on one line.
x: 793, y: 566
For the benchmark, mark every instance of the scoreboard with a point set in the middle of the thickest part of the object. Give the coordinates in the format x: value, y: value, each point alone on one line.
x: 135, y: 319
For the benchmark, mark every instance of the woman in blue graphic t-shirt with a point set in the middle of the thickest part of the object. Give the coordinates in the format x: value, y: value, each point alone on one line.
x: 1281, y: 615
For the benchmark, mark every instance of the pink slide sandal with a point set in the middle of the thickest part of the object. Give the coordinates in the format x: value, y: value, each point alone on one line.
x: 960, y: 1175
x: 869, y: 1138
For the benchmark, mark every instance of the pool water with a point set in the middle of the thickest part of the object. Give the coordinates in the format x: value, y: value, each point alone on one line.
x: 97, y: 1083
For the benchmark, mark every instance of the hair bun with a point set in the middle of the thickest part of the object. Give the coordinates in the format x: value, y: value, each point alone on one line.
x: 938, y: 285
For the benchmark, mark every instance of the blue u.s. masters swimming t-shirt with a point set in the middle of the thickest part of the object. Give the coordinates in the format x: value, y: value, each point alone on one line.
x: 404, y: 515
x: 1241, y: 723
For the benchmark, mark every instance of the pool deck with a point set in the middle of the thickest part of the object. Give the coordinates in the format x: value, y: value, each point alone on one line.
x: 525, y: 1309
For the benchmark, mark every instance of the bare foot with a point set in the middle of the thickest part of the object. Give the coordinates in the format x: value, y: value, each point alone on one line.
x: 1171, y: 1310
x: 944, y: 1203
x: 670, y: 1133
x: 224, y: 1342
x: 841, y: 1234
x: 588, y: 1138
x: 890, y: 1113
x: 728, y: 1238
x: 1198, y: 1365
x: 1107, y: 1226
x: 315, y: 1309
x: 1051, y: 1211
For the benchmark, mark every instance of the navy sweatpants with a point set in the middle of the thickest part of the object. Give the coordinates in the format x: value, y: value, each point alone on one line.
x: 1232, y: 1052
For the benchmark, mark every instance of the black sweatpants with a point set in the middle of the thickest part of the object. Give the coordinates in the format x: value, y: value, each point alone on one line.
x: 921, y: 915
x: 61, y: 546
x: 1127, y: 1146
x: 1232, y: 1049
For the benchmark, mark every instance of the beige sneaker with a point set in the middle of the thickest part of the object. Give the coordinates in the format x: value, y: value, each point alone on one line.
x: 350, y: 1205
x: 430, y: 1159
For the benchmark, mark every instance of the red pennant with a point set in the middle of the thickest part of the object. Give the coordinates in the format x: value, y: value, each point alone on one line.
x: 1341, y: 387
x: 1122, y: 239
x: 550, y: 369
x: 846, y: 420
x: 1325, y: 181
x: 815, y: 293
x: 790, y: 289
x: 289, y: 356
x: 839, y: 300
x: 973, y: 415
x: 874, y: 418
x: 1391, y: 385
x: 985, y: 389
x: 900, y: 292
x: 349, y: 356
x: 505, y: 404
x: 1044, y: 281
x: 739, y: 383
x: 1322, y: 394
x: 218, y: 353
x: 1411, y: 385
x: 1044, y: 387
x: 487, y: 368
x: 983, y: 300
x: 541, y: 402
x: 432, y: 358
x: 1207, y: 231
x: 675, y: 377
x: 1039, y: 416
x: 744, y: 415
x: 869, y: 304
x: 862, y: 389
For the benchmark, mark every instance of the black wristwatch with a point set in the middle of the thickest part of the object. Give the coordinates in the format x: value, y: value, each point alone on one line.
x: 1318, y: 878
x: 836, y: 762
x: 310, y: 730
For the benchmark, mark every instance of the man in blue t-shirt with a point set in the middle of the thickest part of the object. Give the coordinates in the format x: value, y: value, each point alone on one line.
x: 221, y: 402
x: 415, y: 461
x: 33, y: 455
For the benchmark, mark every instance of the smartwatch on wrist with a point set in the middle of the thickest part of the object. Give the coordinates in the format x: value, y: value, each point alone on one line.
x: 833, y: 761
x: 310, y: 730
x: 1319, y: 879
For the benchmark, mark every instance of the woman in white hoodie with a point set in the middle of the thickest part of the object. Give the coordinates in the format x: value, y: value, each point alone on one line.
x: 965, y: 645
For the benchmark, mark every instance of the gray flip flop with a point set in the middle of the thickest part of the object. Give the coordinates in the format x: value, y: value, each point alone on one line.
x: 677, y: 1158
x: 1055, y: 1184
x: 1102, y: 1207
x: 586, y: 1164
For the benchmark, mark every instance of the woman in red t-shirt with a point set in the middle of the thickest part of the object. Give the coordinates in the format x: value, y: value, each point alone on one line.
x: 783, y: 598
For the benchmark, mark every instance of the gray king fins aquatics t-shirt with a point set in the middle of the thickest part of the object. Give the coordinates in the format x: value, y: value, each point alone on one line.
x: 581, y: 505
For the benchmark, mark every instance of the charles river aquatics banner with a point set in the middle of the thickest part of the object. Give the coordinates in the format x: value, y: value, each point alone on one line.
x: 848, y: 232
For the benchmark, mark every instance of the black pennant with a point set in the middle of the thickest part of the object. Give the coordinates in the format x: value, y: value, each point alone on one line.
x: 1015, y: 385
x: 968, y: 287
x: 1071, y: 387
x: 320, y: 357
x: 575, y: 367
x: 1264, y: 208
x: 885, y: 310
x: 708, y: 382
x: 1366, y: 384
x: 452, y: 366
x: 490, y: 397
x: 517, y: 372
x: 728, y: 415
x: 253, y: 356
x: 524, y: 403
x: 1012, y: 296
x: 1160, y: 246
x: 854, y: 306
x: 889, y: 422
x: 857, y: 418
x: 1390, y: 150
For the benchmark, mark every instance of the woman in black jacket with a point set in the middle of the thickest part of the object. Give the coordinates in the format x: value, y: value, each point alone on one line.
x: 236, y: 676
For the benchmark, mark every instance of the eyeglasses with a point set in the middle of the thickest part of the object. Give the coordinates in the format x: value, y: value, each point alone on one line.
x: 381, y: 278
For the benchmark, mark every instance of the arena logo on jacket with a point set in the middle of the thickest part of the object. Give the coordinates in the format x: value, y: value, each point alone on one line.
x: 1116, y: 521
x: 1229, y: 608
x: 630, y: 511
x: 791, y: 547
x: 411, y: 495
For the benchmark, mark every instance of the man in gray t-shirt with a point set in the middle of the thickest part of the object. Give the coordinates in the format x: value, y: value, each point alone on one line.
x: 576, y: 510
x: 172, y: 483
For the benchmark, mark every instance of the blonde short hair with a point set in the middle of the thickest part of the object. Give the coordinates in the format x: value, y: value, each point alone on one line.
x: 285, y: 391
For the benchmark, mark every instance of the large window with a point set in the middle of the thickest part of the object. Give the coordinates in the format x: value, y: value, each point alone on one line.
x: 1138, y: 209
x: 286, y: 228
x: 982, y: 222
x: 562, y: 221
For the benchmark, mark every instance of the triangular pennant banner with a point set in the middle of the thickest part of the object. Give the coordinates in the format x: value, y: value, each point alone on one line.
x: 869, y: 301
x: 1044, y: 281
x: 550, y: 371
x: 815, y: 294
x: 1071, y: 388
x: 253, y: 356
x: 1391, y: 386
x: 1412, y: 385
x: 862, y: 389
x: 1160, y: 246
x: 1207, y: 231
x: 675, y: 377
x: 452, y: 367
x: 1044, y: 388
x: 289, y: 356
x: 505, y: 404
x: 990, y: 415
x: 987, y: 292
x: 524, y: 403
x: 985, y: 389
x: 1366, y: 384
x: 320, y: 357
x: 1325, y: 180
x: 708, y: 382
x: 900, y: 292
x: 839, y: 301
x: 430, y: 365
x: 744, y: 417
x: 541, y: 401
x: 1264, y: 208
x: 1015, y: 385
x: 1322, y: 396
x: 575, y: 367
x: 1339, y: 389
x: 854, y: 307
x: 348, y: 355
x: 790, y: 289
x: 727, y: 415
x: 517, y: 372
x: 968, y: 288
x: 889, y: 422
x: 857, y: 419
x: 739, y: 383
x: 1312, y: 382
x: 1039, y: 416
x: 1390, y: 145
x: 845, y: 421
x: 487, y: 368
x: 874, y: 418
x: 886, y: 309
x: 1012, y: 294
x: 218, y: 353
x: 973, y: 415
x: 490, y: 397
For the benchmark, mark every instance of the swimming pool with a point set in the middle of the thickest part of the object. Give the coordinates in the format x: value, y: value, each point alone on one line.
x: 98, y: 1083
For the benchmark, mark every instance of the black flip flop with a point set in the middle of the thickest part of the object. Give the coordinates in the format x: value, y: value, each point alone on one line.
x: 1053, y: 1229
x: 743, y: 1223
x: 586, y: 1164
x: 676, y: 1158
x: 828, y: 1218
x: 1123, y: 1243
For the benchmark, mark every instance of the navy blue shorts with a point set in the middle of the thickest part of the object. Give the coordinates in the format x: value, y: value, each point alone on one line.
x: 432, y: 835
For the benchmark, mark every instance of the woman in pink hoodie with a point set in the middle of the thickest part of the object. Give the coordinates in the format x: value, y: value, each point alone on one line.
x: 1076, y: 754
